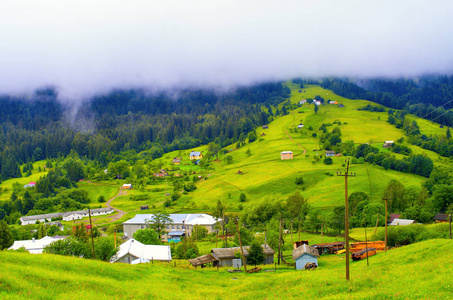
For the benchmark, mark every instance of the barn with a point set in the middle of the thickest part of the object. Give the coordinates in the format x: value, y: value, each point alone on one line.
x: 303, y: 255
x: 225, y: 256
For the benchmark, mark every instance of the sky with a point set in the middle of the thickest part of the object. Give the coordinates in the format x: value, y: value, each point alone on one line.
x: 86, y: 47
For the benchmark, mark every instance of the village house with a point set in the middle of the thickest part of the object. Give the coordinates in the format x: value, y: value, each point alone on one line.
x: 330, y: 153
x: 127, y: 186
x: 134, y: 252
x: 333, y: 102
x: 195, y: 155
x: 35, y: 246
x: 286, y: 155
x: 66, y: 216
x: 182, y: 224
x: 388, y: 144
x: 225, y: 256
x: 317, y: 102
x: 441, y: 218
x: 176, y: 161
x: 265, y: 126
x: 30, y: 184
x: 305, y: 254
x: 303, y: 101
x: 300, y: 126
x: 393, y: 217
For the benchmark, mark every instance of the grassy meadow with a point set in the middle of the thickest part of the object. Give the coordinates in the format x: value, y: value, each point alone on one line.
x: 402, y: 273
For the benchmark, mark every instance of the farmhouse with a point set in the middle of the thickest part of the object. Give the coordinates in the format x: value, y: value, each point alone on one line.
x: 225, y: 256
x: 330, y: 153
x: 195, y: 155
x: 265, y: 126
x: 317, y: 102
x: 402, y: 222
x: 333, y: 102
x: 388, y: 144
x: 30, y: 184
x: 300, y: 126
x: 393, y: 217
x: 441, y: 218
x: 305, y: 254
x: 286, y: 155
x: 133, y: 252
x: 303, y: 101
x: 35, y: 246
x: 176, y: 161
x: 127, y: 186
x: 180, y: 223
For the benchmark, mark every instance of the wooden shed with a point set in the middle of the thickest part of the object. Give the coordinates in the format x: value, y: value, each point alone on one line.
x: 226, y: 255
x: 329, y: 248
x: 305, y: 254
x: 203, y: 260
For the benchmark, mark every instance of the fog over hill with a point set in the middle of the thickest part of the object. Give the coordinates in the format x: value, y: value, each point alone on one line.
x: 86, y: 47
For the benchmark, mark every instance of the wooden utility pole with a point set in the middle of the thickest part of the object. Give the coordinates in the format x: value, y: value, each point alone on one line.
x: 385, y: 224
x: 450, y: 225
x: 291, y: 230
x: 346, y: 214
x: 91, y: 230
x: 366, y: 245
x: 299, y: 228
x: 240, y: 244
x: 114, y: 236
x: 279, y: 239
x: 377, y: 222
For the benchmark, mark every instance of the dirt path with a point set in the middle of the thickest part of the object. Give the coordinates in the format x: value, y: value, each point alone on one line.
x: 305, y: 150
x: 120, y: 213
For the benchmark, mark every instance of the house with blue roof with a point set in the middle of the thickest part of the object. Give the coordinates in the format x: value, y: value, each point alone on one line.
x: 181, y: 225
x: 195, y: 155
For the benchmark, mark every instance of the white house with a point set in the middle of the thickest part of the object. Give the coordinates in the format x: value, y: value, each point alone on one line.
x: 303, y: 101
x: 305, y: 254
x: 26, y: 220
x: 300, y: 126
x: 133, y: 252
x: 35, y: 246
x: 317, y: 102
x: 180, y: 223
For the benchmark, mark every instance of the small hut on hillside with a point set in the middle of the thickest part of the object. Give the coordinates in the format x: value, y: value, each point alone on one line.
x: 305, y: 254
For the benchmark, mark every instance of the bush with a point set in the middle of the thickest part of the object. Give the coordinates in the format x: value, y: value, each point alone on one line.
x: 299, y: 180
x: 328, y: 161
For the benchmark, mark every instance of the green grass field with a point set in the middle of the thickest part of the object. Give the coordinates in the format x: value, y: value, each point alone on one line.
x: 418, y: 271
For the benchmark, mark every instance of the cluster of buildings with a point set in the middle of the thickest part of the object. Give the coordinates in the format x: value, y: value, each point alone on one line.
x: 65, y: 216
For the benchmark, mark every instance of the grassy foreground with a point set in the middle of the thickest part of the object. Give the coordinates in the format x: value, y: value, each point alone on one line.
x: 418, y: 271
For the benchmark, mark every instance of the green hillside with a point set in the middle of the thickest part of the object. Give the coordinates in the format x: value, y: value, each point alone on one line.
x: 418, y: 271
x: 266, y: 175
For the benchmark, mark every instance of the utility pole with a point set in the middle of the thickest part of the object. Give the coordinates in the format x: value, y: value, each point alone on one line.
x: 450, y: 225
x: 279, y: 239
x: 385, y: 224
x: 240, y: 244
x: 299, y: 228
x: 346, y: 214
x: 114, y: 236
x: 366, y: 244
x: 91, y: 230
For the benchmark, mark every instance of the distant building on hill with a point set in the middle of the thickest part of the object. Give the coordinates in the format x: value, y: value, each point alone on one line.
x: 388, y: 144
x: 286, y: 155
x: 35, y: 246
x: 303, y: 101
x: 402, y: 222
x: 330, y: 153
x: 195, y: 155
x: 176, y: 161
x: 127, y: 186
x: 300, y: 126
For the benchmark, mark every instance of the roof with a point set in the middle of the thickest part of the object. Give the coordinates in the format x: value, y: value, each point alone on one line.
x: 402, y: 222
x: 330, y: 152
x: 441, y: 217
x: 202, y: 260
x: 82, y: 212
x: 389, y: 142
x: 139, y: 250
x: 44, y: 216
x: 35, y: 246
x: 190, y: 219
x: 195, y: 153
x: 287, y: 152
x: 304, y: 249
x: 127, y: 184
x: 228, y: 253
x: 393, y: 217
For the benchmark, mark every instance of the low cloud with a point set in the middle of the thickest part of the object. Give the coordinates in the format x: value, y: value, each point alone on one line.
x: 85, y: 47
